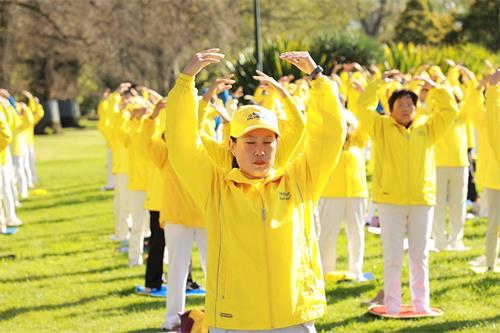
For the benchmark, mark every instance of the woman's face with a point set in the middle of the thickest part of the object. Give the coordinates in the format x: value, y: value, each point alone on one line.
x: 404, y: 111
x: 255, y: 152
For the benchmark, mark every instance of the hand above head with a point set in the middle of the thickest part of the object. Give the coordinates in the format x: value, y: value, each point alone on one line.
x: 300, y: 59
x: 158, y: 107
x: 357, y: 85
x: 238, y: 93
x: 495, y: 78
x: 4, y: 93
x: 202, y: 59
x: 138, y: 113
x: 218, y: 86
x: 266, y: 82
x: 124, y: 86
x: 27, y: 94
x: 428, y: 83
x: 390, y: 75
x: 450, y: 63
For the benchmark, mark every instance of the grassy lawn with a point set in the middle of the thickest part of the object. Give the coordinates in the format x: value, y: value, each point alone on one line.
x: 68, y: 277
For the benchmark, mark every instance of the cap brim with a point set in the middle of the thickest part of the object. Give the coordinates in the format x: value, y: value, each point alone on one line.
x: 254, y: 127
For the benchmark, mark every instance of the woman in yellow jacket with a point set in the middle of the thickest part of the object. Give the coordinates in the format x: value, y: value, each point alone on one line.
x: 179, y: 218
x: 19, y: 149
x: 135, y: 197
x: 38, y: 112
x: 6, y: 168
x: 104, y: 127
x: 486, y: 117
x: 5, y: 138
x: 404, y: 185
x: 344, y: 199
x: 259, y: 220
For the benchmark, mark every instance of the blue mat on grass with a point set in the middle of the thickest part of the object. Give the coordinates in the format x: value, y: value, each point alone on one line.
x: 162, y: 292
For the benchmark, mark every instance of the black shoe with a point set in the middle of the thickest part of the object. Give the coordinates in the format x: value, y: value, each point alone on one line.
x: 192, y: 285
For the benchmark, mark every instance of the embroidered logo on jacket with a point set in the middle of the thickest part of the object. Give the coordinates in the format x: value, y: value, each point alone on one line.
x: 285, y: 195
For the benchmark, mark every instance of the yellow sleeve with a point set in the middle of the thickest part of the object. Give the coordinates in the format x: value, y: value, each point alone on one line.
x: 25, y: 120
x: 445, y: 113
x: 156, y: 147
x: 187, y: 155
x: 38, y: 113
x: 123, y: 130
x: 471, y: 137
x: 103, y: 120
x: 217, y: 151
x: 473, y: 105
x: 5, y: 132
x: 493, y: 119
x: 292, y: 133
x: 326, y: 132
x: 366, y: 110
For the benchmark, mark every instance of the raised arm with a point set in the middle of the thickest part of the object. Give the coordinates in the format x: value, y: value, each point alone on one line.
x: 187, y: 154
x: 366, y: 108
x: 293, y: 128
x: 446, y: 109
x: 326, y: 128
x: 493, y: 113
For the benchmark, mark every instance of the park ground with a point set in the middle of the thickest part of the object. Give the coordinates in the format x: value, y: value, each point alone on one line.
x: 67, y: 275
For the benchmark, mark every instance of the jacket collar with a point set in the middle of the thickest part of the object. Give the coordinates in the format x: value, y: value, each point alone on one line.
x: 418, y: 121
x: 237, y: 176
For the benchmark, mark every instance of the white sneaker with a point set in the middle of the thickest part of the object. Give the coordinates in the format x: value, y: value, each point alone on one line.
x: 15, y: 222
x: 458, y: 247
x: 133, y: 263
x: 3, y: 228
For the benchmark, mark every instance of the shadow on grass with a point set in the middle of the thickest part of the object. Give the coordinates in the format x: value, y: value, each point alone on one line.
x: 52, y: 276
x: 69, y: 218
x: 68, y: 202
x: 64, y: 235
x: 117, y: 279
x: 148, y: 303
x: 63, y: 254
x: 14, y: 312
x: 427, y: 328
x: 145, y: 330
x: 480, y: 287
x: 328, y: 327
x: 448, y: 325
x: 346, y: 290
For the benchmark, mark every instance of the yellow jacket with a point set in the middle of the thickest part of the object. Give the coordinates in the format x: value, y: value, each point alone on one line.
x: 5, y: 134
x: 12, y: 121
x: 119, y: 158
x: 151, y: 129
x: 137, y: 163
x: 487, y: 172
x: 493, y: 120
x: 176, y: 205
x: 348, y: 179
x: 451, y: 148
x: 404, y: 158
x: 38, y: 112
x: 260, y: 232
x: 21, y: 132
x: 104, y: 112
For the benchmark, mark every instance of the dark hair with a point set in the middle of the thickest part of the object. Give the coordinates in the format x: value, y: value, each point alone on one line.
x: 401, y: 93
x: 234, y: 162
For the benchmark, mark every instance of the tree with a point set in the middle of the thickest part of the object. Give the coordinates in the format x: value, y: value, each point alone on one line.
x: 415, y: 24
x: 482, y: 23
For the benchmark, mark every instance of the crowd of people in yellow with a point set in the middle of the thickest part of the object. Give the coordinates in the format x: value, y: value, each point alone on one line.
x: 18, y: 118
x: 264, y: 188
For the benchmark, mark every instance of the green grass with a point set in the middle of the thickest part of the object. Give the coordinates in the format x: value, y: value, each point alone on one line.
x: 68, y: 277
